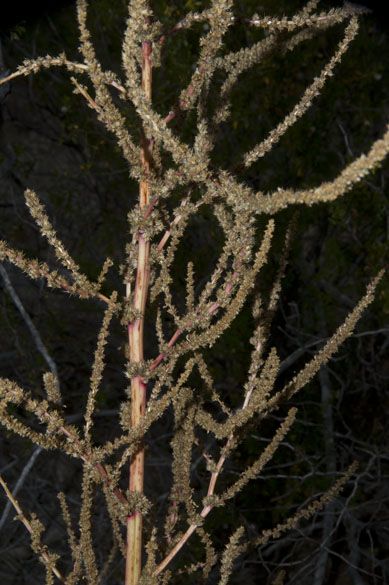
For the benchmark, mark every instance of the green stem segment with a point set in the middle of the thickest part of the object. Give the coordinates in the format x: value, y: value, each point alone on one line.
x: 135, y: 334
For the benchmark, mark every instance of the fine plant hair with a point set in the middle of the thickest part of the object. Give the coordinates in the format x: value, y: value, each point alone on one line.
x: 177, y: 179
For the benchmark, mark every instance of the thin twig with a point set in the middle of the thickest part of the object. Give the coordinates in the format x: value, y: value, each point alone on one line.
x: 19, y: 483
x: 33, y: 330
x: 43, y: 553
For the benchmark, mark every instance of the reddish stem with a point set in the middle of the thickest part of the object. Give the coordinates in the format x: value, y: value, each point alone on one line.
x: 135, y: 334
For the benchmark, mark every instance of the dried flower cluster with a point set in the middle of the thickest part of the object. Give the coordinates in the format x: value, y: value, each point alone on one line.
x: 167, y: 379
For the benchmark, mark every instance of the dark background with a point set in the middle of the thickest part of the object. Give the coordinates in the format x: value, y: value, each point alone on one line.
x: 50, y: 141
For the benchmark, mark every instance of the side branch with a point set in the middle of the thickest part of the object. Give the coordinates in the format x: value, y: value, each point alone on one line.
x: 328, y: 191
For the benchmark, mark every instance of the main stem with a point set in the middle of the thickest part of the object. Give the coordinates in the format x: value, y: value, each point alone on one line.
x: 135, y: 334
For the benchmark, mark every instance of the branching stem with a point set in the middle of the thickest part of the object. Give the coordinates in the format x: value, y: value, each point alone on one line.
x: 211, y: 490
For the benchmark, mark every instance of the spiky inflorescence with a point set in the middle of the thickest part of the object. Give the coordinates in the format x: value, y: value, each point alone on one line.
x: 207, y: 314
